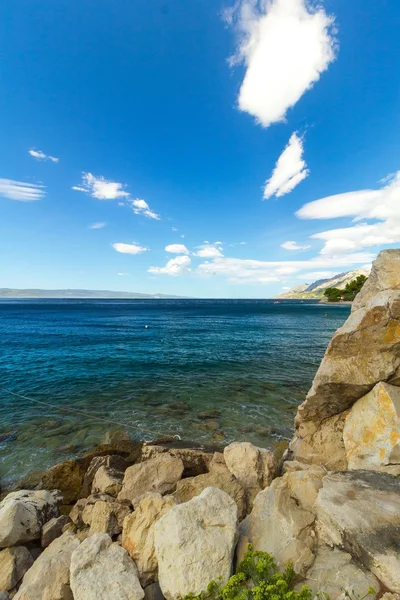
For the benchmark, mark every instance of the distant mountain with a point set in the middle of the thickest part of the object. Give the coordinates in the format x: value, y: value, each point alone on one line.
x: 316, y: 290
x: 78, y: 294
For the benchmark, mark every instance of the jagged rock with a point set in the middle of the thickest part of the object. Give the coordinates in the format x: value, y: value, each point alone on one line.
x: 322, y: 444
x: 359, y: 511
x: 159, y: 474
x: 23, y: 514
x: 217, y: 464
x: 114, y: 462
x: 101, y: 570
x: 76, y: 512
x: 334, y: 573
x: 105, y: 517
x: 222, y: 479
x: 14, y: 562
x: 67, y: 477
x: 279, y: 525
x: 195, y: 461
x: 195, y: 543
x: 138, y: 534
x: 48, y: 578
x: 372, y: 430
x: 253, y: 467
x: 107, y: 481
x: 53, y: 529
x: 362, y: 353
x: 304, y: 486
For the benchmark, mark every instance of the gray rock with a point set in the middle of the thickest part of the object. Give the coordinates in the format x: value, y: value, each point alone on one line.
x: 53, y: 529
x: 14, y: 562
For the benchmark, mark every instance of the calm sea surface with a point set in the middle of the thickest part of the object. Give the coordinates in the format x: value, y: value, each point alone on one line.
x: 251, y: 360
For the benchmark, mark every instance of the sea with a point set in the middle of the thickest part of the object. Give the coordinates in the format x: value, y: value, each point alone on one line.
x: 208, y: 371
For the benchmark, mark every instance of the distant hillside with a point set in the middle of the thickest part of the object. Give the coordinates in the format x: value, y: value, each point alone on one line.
x: 316, y: 290
x: 89, y: 294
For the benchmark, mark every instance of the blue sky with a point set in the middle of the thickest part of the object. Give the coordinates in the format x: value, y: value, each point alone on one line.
x: 203, y: 148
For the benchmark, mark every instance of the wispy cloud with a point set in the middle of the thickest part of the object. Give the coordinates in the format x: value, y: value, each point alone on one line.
x: 289, y: 171
x: 291, y: 245
x: 208, y: 250
x: 101, y: 188
x: 97, y: 225
x: 176, y: 266
x: 140, y: 207
x: 177, y: 249
x: 39, y: 155
x: 285, y: 45
x: 21, y: 191
x: 129, y: 248
x: 123, y: 274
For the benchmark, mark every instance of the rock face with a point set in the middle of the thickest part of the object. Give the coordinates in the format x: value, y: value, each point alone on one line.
x: 361, y: 354
x: 14, y: 562
x: 48, y: 578
x: 279, y: 525
x: 372, y: 429
x: 359, y: 511
x: 23, y: 514
x: 138, y: 534
x: 160, y: 474
x: 101, y: 570
x: 195, y: 543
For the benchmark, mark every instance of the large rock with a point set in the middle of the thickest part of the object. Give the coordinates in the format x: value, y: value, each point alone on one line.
x: 101, y: 570
x: 253, y: 467
x: 67, y: 477
x: 222, y: 479
x: 138, y: 534
x: 105, y: 517
x: 279, y: 525
x: 14, y: 562
x: 334, y: 573
x: 23, y: 514
x: 48, y: 578
x: 322, y: 444
x: 160, y: 474
x: 359, y: 511
x: 53, y: 529
x: 113, y: 462
x: 195, y: 543
x: 372, y: 430
x: 107, y: 481
x: 195, y: 461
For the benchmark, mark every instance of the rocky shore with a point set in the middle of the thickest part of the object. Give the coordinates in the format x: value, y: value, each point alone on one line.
x: 160, y: 520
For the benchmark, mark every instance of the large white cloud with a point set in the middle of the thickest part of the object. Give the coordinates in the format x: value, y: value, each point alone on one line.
x: 289, y: 171
x: 208, y: 250
x: 175, y: 266
x: 285, y: 46
x: 101, y: 188
x: 21, y: 191
x: 177, y: 249
x: 39, y: 155
x: 129, y: 248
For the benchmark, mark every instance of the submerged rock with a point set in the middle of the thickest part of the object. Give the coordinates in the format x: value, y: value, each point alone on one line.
x: 195, y: 543
x: 160, y: 474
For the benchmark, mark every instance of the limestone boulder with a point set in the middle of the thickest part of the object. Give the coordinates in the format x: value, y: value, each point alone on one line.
x: 372, y: 430
x: 23, y: 514
x: 322, y: 444
x: 53, y: 529
x: 253, y: 467
x: 107, y: 481
x: 105, y: 517
x: 160, y: 474
x: 14, y: 563
x: 138, y: 534
x: 195, y: 543
x: 279, y: 525
x: 118, y: 463
x: 48, y: 578
x: 222, y: 479
x: 101, y: 570
x: 67, y: 477
x: 334, y: 573
x: 359, y: 511
x: 195, y: 461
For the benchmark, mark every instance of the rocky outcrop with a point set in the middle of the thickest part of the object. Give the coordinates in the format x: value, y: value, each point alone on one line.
x: 195, y: 543
x: 138, y: 534
x: 160, y: 474
x: 14, y: 562
x: 101, y: 570
x: 23, y: 514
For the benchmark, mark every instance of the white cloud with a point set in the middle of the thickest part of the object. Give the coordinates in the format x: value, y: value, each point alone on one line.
x: 124, y: 274
x: 39, y: 155
x: 382, y: 207
x: 129, y: 248
x: 285, y: 46
x: 291, y: 245
x: 97, y: 225
x: 175, y: 266
x: 101, y: 188
x: 289, y: 171
x: 140, y: 207
x: 177, y: 249
x: 21, y: 191
x: 209, y: 250
x: 315, y: 275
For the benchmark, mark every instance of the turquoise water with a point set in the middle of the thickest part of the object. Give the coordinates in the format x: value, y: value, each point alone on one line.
x: 251, y: 361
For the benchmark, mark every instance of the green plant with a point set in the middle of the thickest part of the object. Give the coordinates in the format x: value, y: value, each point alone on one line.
x: 350, y: 291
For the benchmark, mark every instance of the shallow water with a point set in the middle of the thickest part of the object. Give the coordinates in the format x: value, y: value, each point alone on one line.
x: 252, y: 361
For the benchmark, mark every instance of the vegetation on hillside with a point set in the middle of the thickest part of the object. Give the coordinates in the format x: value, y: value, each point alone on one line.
x: 349, y: 293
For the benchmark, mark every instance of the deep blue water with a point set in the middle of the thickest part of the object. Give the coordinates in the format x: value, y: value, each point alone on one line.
x: 252, y: 360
